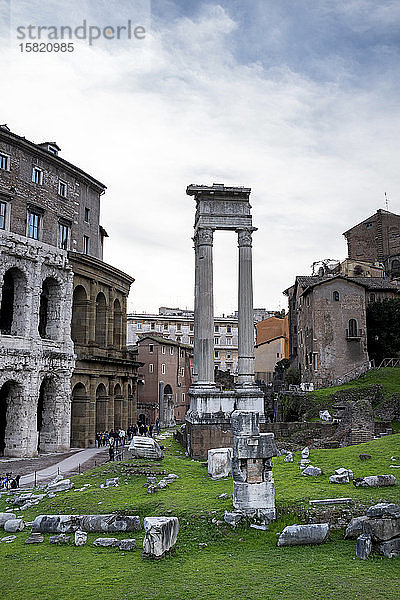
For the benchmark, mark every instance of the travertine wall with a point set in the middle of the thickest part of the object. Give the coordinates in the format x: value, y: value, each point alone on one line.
x: 35, y: 370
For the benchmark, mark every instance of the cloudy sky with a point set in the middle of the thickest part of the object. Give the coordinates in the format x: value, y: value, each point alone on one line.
x: 297, y: 99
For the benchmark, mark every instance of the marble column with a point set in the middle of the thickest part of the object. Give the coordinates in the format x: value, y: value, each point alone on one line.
x: 245, y: 313
x: 204, y: 309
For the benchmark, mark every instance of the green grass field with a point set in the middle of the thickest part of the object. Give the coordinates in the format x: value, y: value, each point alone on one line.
x: 388, y: 377
x: 244, y: 564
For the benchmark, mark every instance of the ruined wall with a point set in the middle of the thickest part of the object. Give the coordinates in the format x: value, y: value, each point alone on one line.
x: 35, y: 368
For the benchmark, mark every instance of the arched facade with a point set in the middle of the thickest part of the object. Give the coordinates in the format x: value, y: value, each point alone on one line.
x: 79, y: 323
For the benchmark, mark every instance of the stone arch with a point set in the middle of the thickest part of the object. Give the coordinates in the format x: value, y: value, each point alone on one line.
x: 13, y: 302
x: 49, y: 309
x: 118, y: 404
x: 167, y: 417
x: 11, y: 401
x: 102, y: 399
x: 79, y: 416
x: 117, y: 324
x: 46, y: 421
x: 79, y: 315
x: 101, y: 320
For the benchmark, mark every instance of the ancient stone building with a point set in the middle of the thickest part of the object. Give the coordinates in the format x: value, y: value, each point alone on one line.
x: 377, y: 239
x: 50, y: 209
x: 36, y: 351
x: 327, y: 325
x: 164, y: 380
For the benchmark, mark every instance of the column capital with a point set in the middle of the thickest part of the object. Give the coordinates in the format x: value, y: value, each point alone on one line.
x: 245, y: 236
x: 204, y: 237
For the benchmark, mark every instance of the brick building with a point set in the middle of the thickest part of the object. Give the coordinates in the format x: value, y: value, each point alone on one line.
x: 327, y: 325
x: 164, y: 380
x: 377, y: 238
x: 49, y: 233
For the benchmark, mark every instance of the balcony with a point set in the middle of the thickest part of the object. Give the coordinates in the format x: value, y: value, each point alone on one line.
x: 354, y: 335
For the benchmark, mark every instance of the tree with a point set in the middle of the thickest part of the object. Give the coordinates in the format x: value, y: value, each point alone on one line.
x: 383, y: 328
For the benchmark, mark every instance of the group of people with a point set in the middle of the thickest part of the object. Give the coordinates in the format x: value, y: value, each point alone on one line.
x: 110, y: 438
x: 114, y: 439
x: 8, y: 482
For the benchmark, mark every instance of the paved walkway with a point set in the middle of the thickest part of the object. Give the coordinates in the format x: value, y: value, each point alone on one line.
x: 65, y: 466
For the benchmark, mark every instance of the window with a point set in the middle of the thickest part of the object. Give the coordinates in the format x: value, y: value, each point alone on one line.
x: 166, y: 326
x: 191, y: 340
x: 37, y: 175
x: 308, y: 301
x: 228, y: 355
x: 171, y: 351
x: 34, y: 219
x: 336, y: 296
x: 372, y: 297
x: 191, y: 327
x: 139, y: 326
x: 62, y: 189
x: 4, y: 162
x: 87, y: 215
x: 182, y: 371
x: 277, y: 355
x: 151, y: 368
x: 163, y: 369
x: 86, y: 244
x: 183, y: 397
x: 353, y: 328
x: 63, y: 235
x: 368, y: 225
x: 178, y: 326
x: 315, y: 361
x: 216, y: 328
x: 182, y: 353
x: 216, y: 341
x: 192, y: 371
x: 216, y: 353
x: 228, y: 329
x: 3, y: 214
x: 162, y: 349
x: 151, y: 348
x: 229, y: 341
x: 179, y: 339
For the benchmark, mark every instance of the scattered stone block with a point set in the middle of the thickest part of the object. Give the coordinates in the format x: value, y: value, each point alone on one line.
x: 106, y: 542
x: 8, y: 538
x: 304, y: 462
x: 5, y: 516
x: 339, y: 478
x: 384, y: 509
x: 112, y: 482
x: 355, y: 528
x: 364, y: 546
x: 390, y: 548
x: 375, y: 481
x: 61, y: 485
x: 289, y: 457
x: 142, y: 447
x: 311, y: 471
x: 219, y: 462
x: 343, y: 471
x: 160, y: 535
x: 62, y: 538
x: 34, y: 538
x: 325, y: 415
x: 305, y: 453
x: 128, y: 544
x: 332, y: 501
x: 80, y: 538
x: 56, y: 524
x: 295, y: 535
x: 381, y: 530
x: 365, y: 456
x: 109, y: 523
x: 14, y: 525
x: 233, y: 518
x: 223, y: 496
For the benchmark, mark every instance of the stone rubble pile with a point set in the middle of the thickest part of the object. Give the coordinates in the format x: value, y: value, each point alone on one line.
x: 152, y: 485
x: 341, y: 476
x: 377, y: 531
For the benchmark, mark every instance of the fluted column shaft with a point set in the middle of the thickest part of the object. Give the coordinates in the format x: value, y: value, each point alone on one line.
x: 204, y: 308
x: 245, y: 313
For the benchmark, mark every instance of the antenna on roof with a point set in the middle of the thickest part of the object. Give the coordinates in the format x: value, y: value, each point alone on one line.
x: 386, y: 202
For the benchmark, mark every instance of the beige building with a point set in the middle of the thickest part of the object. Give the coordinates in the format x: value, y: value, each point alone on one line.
x: 272, y: 345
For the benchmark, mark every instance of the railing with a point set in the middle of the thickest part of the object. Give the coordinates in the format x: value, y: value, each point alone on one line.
x: 354, y: 335
x: 389, y: 362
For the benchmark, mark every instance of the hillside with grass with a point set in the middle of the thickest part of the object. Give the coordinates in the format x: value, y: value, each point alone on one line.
x: 243, y: 564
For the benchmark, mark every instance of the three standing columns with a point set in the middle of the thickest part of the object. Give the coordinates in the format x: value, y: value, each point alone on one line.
x: 204, y: 309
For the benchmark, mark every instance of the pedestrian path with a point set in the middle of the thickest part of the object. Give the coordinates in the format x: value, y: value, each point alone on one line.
x: 65, y: 466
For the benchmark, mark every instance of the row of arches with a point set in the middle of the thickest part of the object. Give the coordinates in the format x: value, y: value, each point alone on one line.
x: 41, y: 431
x: 80, y: 317
x: 14, y: 318
x: 111, y: 408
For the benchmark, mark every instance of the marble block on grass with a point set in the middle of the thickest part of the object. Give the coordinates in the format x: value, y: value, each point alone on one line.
x: 160, y: 535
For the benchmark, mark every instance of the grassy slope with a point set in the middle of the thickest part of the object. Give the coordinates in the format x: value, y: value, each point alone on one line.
x: 242, y: 564
x: 388, y: 377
